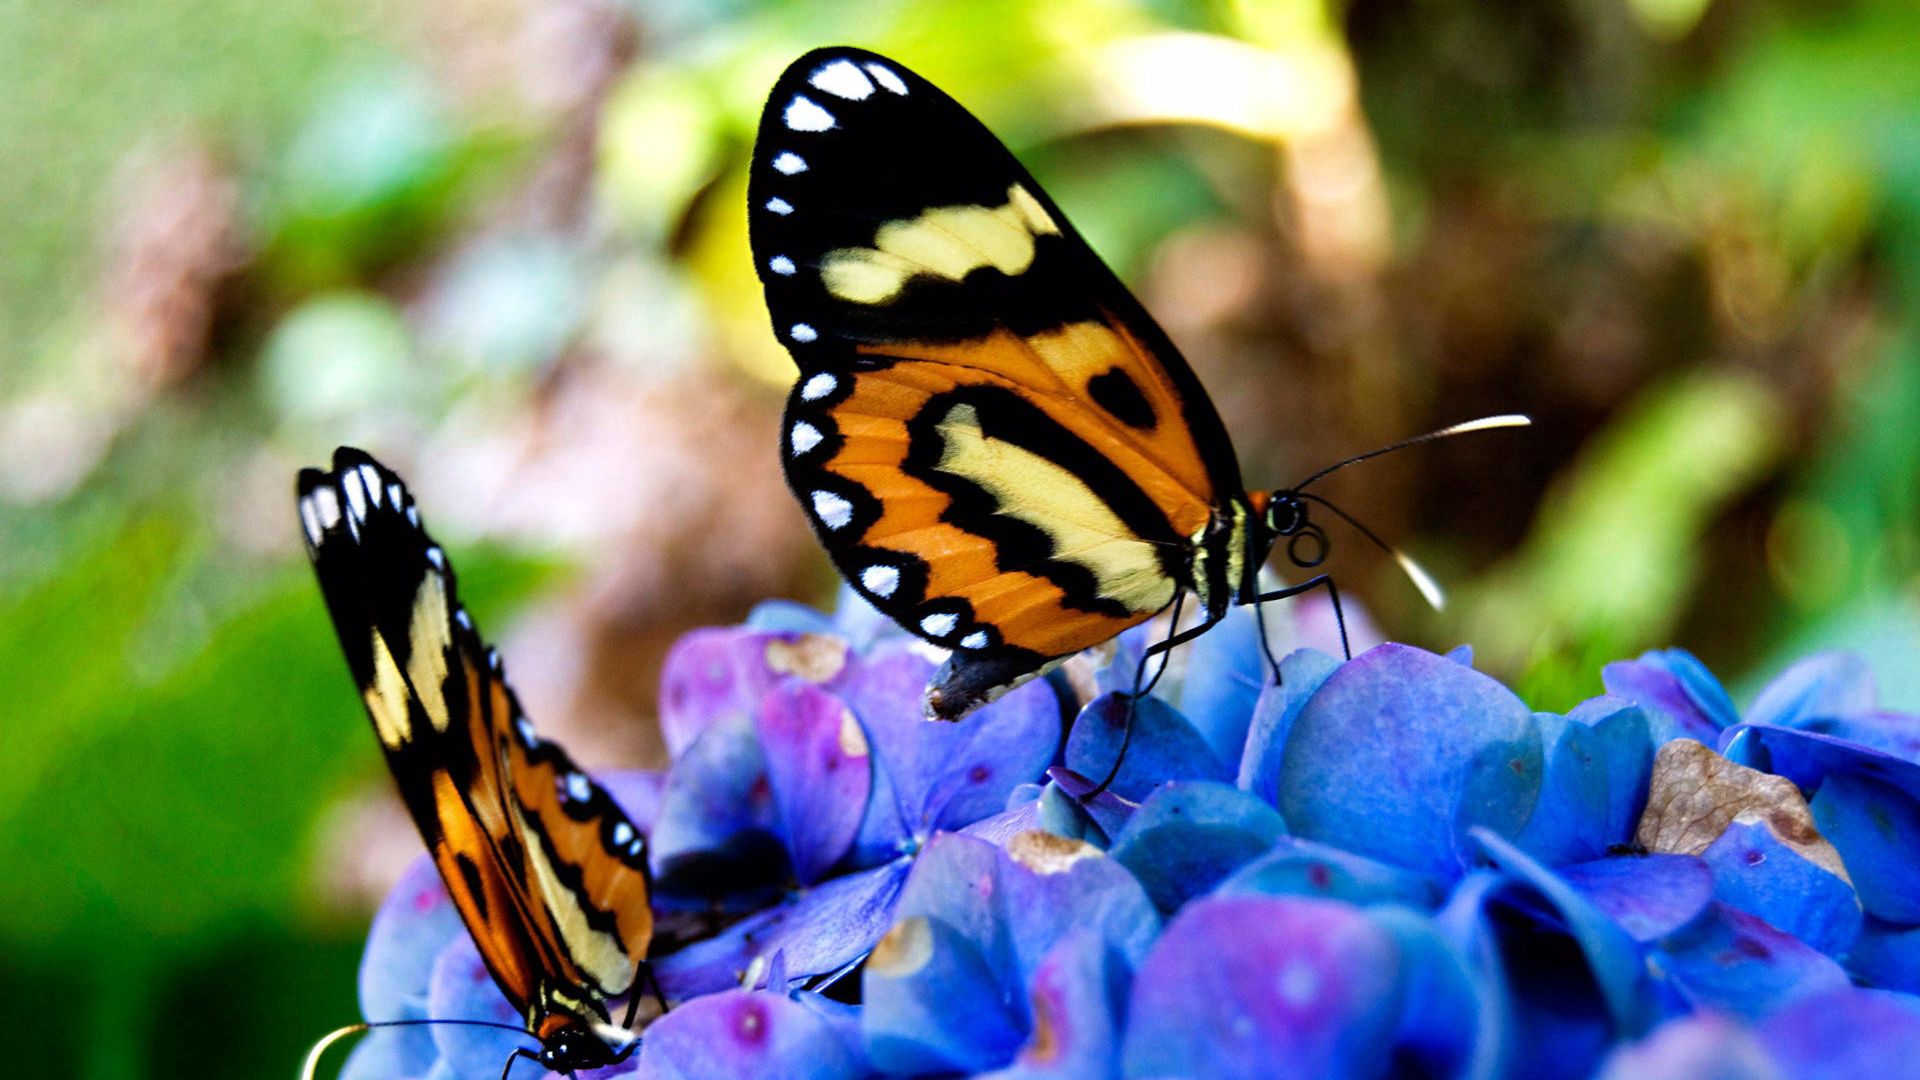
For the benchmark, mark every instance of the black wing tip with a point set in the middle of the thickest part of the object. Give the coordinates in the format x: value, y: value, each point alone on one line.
x: 356, y: 504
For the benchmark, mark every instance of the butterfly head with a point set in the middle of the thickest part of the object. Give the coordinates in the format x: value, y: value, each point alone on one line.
x: 574, y: 1046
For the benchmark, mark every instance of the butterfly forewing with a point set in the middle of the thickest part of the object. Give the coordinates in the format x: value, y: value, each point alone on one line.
x: 995, y: 443
x: 547, y: 872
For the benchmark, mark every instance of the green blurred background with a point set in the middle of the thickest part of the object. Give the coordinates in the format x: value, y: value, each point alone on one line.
x: 501, y: 244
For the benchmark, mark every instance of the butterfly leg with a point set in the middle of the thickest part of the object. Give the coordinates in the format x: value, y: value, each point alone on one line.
x: 1320, y: 581
x: 522, y: 1052
x: 1266, y: 645
x: 1143, y: 686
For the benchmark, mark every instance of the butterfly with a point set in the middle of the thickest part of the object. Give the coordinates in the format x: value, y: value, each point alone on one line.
x: 993, y: 440
x: 547, y: 872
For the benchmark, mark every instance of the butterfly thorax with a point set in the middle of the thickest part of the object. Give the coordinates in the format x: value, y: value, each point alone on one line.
x: 569, y: 1042
x: 1228, y: 554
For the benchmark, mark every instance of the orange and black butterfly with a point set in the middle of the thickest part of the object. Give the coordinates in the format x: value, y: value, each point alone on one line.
x: 995, y: 443
x: 545, y: 869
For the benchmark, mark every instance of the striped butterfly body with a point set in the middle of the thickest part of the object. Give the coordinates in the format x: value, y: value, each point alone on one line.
x: 545, y: 869
x: 995, y: 443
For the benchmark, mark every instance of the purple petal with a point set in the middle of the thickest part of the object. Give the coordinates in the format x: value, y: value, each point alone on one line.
x: 392, y: 1054
x: 710, y: 675
x: 1238, y: 985
x: 462, y: 989
x: 415, y: 923
x: 1845, y: 1034
x: 1297, y: 867
x: 818, y: 932
x: 1824, y: 685
x: 1649, y: 896
x: 1007, y: 824
x: 1887, y: 955
x: 1704, y: 1047
x: 1734, y: 962
x: 1401, y: 751
x: 1108, y: 812
x: 1077, y: 1003
x: 1896, y: 734
x: 818, y: 766
x: 1598, y: 761
x: 1876, y: 829
x: 1165, y: 745
x: 1190, y: 834
x: 639, y: 792
x: 1756, y: 872
x: 1681, y: 697
x: 746, y: 1035
x: 933, y: 776
x: 718, y: 831
x: 913, y: 1019
x: 1302, y: 672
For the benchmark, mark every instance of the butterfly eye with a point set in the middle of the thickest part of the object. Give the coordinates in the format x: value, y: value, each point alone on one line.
x: 1286, y: 515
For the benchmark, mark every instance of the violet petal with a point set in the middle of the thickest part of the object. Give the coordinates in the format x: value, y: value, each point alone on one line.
x: 745, y: 1035
x: 1302, y: 671
x: 718, y: 830
x: 1736, y: 963
x: 415, y: 923
x: 819, y: 768
x: 1238, y: 985
x: 1823, y: 685
x: 1705, y: 1047
x: 1845, y: 1034
x: 1681, y: 697
x: 1649, y: 896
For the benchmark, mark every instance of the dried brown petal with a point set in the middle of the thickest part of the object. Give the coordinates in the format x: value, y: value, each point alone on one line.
x: 1695, y: 794
x: 1045, y: 853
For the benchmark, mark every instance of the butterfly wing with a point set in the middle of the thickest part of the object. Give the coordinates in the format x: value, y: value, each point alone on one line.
x: 995, y: 443
x: 545, y: 869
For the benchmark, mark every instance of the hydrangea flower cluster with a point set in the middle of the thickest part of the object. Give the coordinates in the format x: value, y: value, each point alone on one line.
x: 1387, y: 867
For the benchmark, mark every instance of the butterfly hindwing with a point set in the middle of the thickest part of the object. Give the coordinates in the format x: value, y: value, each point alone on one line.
x: 547, y: 872
x: 995, y: 443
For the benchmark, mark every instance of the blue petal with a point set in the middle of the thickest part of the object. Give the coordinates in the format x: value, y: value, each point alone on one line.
x: 1681, y: 697
x: 1297, y: 867
x: 1400, y: 752
x: 818, y: 932
x: 1246, y: 986
x: 1461, y: 654
x: 1165, y: 745
x: 1807, y: 758
x: 1846, y: 1034
x: 415, y: 923
x: 1440, y: 1021
x: 1756, y: 872
x: 1876, y: 829
x: 1649, y: 896
x: 1823, y: 685
x: 1109, y: 812
x: 1077, y: 1001
x: 934, y: 1003
x: 1611, y: 955
x: 1302, y: 672
x: 1598, y: 761
x: 1896, y: 734
x: 718, y: 831
x: 1693, y: 1048
x: 746, y: 1035
x: 1225, y: 672
x: 1188, y: 835
x: 1734, y: 962
x: 1887, y: 955
x: 1063, y: 815
x: 818, y: 767
x: 788, y: 617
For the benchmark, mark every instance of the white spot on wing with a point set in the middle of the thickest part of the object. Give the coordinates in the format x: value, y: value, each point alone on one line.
x: 818, y: 386
x: 881, y: 580
x: 940, y: 624
x: 326, y: 505
x: 885, y: 77
x: 805, y: 114
x: 356, y: 490
x: 975, y: 640
x: 803, y: 333
x: 842, y: 79
x: 465, y: 620
x: 370, y: 480
x: 834, y: 512
x: 781, y: 265
x: 789, y: 163
x: 622, y: 834
x: 525, y: 727
x: 780, y: 206
x: 413, y: 516
x: 438, y: 558
x: 578, y: 789
x: 310, y: 521
x: 803, y: 437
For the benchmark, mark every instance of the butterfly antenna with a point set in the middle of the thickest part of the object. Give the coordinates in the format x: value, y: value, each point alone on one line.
x: 312, y: 1063
x: 1429, y: 588
x: 1485, y: 423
